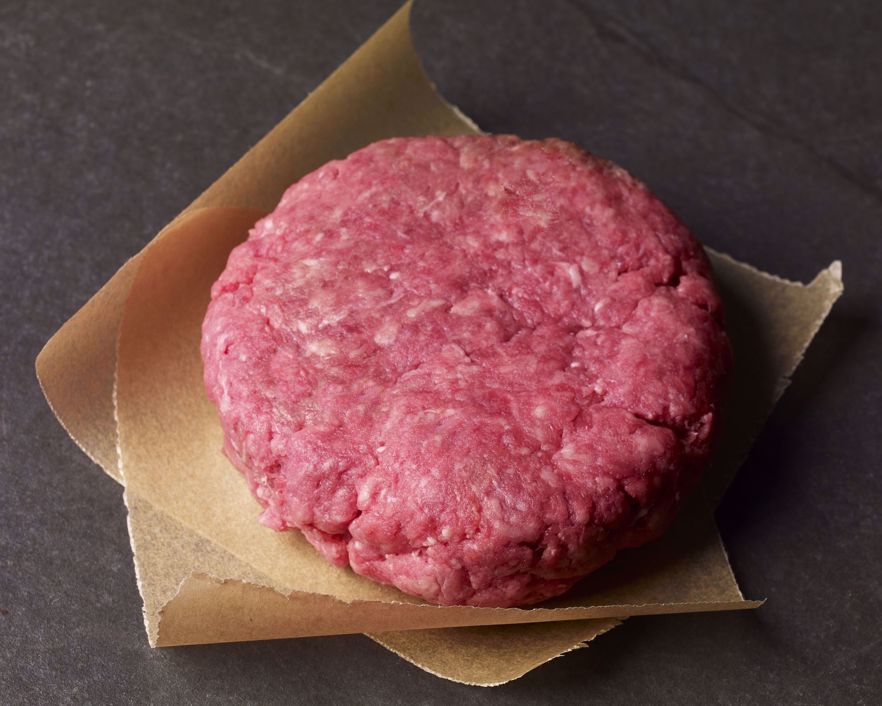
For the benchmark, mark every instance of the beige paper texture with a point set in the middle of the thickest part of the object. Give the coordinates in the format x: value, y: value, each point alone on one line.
x: 484, y: 656
x: 206, y: 570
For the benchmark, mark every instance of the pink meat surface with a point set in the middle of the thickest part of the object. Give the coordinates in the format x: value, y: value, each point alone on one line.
x: 473, y: 367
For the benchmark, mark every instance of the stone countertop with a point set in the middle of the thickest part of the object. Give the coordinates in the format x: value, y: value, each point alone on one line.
x: 759, y: 123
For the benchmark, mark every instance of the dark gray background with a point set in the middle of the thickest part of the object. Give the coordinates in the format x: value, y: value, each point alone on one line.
x: 758, y: 122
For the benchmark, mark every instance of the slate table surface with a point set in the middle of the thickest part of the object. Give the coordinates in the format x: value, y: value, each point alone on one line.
x: 760, y: 123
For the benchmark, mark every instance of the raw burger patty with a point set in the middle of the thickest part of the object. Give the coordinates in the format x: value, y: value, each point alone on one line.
x: 473, y: 368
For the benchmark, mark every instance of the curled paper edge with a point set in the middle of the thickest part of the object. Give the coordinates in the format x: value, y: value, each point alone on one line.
x: 226, y: 607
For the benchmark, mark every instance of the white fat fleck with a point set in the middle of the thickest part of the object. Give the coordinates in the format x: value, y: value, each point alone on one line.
x: 492, y: 507
x: 646, y: 444
x: 542, y: 218
x: 427, y: 305
x: 317, y: 238
x: 394, y: 275
x: 439, y: 197
x: 357, y: 545
x: 380, y: 449
x: 575, y: 276
x: 548, y: 476
x: 445, y: 533
x: 575, y: 364
x: 431, y: 541
x: 386, y: 333
x: 568, y: 451
x: 503, y: 236
x: 589, y: 265
x: 225, y: 401
x: 323, y: 347
x: 303, y: 327
x: 605, y: 482
x: 243, y: 357
x: 601, y: 305
x: 334, y: 318
x: 425, y: 584
x: 466, y: 306
x: 540, y: 411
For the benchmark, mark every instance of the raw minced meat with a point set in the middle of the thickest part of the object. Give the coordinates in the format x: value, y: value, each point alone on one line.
x: 472, y: 367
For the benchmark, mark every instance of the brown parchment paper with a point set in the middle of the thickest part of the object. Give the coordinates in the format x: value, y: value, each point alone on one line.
x: 207, y: 572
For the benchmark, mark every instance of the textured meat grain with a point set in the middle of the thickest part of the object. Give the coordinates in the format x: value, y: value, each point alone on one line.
x: 474, y: 368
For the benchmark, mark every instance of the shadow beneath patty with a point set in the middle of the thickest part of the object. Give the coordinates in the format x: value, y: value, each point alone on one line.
x: 688, y: 561
x: 685, y: 566
x: 754, y: 385
x: 765, y: 483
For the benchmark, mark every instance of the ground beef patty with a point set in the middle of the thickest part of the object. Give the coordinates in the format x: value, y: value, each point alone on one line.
x: 472, y: 367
